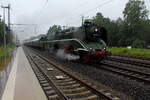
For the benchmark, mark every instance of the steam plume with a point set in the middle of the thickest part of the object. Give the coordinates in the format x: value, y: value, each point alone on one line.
x: 65, y: 56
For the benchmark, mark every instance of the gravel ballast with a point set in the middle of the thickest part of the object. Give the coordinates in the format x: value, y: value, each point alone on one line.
x: 137, y: 90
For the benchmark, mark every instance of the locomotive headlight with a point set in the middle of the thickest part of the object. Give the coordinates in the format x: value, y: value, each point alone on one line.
x: 92, y: 50
x: 96, y: 29
x: 104, y: 48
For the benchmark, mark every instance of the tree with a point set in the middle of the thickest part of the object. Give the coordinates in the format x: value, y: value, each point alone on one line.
x: 144, y: 32
x: 138, y: 44
x: 53, y: 30
x: 135, y: 14
x: 111, y: 27
x: 1, y: 33
x: 135, y: 11
x: 8, y: 34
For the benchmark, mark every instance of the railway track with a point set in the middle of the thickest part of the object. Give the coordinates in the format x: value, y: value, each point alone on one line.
x: 141, y: 63
x: 126, y: 72
x: 59, y: 84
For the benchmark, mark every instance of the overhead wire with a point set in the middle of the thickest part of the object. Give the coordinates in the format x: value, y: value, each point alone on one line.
x: 42, y: 9
x: 57, y: 17
x: 148, y: 7
x: 33, y: 23
x: 38, y: 15
x: 76, y: 8
x: 100, y: 5
x: 61, y: 18
x: 90, y: 10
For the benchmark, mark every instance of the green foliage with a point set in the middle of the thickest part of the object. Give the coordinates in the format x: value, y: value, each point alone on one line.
x: 8, y: 35
x: 138, y: 43
x: 1, y: 33
x: 135, y: 11
x: 111, y: 27
x: 53, y: 30
x: 134, y: 52
x: 135, y: 19
x: 133, y: 30
x: 5, y: 51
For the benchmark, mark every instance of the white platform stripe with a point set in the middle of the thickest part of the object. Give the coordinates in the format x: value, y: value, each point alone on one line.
x: 10, y: 85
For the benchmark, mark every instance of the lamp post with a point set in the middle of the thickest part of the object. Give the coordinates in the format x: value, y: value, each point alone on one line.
x: 4, y: 30
x: 0, y: 17
x: 6, y: 7
x: 16, y: 38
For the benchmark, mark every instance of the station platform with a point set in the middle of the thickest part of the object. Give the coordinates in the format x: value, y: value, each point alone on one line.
x: 22, y: 83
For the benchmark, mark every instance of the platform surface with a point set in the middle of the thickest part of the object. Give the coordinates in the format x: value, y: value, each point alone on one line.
x: 22, y: 83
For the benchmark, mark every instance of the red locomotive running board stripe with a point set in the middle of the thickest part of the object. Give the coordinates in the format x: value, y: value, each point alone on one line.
x: 100, y: 53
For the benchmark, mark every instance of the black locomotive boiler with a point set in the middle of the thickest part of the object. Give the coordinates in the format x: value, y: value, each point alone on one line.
x: 86, y: 43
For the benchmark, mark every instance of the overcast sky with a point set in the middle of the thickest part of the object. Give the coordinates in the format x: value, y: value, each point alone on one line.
x: 44, y: 13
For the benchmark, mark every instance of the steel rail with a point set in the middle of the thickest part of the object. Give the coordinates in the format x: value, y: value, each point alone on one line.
x: 94, y: 90
x: 126, y: 69
x: 123, y: 72
x: 132, y: 62
x: 59, y: 92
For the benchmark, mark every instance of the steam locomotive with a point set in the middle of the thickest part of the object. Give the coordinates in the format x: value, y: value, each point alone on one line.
x: 86, y: 43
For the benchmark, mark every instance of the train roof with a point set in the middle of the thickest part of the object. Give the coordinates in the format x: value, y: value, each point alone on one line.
x: 28, y: 41
x: 66, y: 40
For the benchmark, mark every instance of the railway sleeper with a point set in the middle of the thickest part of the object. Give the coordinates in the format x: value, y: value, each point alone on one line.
x: 70, y: 86
x: 116, y: 98
x: 42, y: 82
x: 79, y: 93
x: 65, y: 80
x: 45, y: 84
x: 50, y: 92
x: 41, y: 79
x: 47, y: 88
x: 79, y: 89
x: 109, y: 94
x: 146, y: 77
x: 66, y: 83
x: 38, y: 73
x: 131, y: 73
x: 84, y: 97
x: 53, y: 97
x: 53, y: 77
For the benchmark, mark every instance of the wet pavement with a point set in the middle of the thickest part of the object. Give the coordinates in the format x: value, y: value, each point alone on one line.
x: 5, y: 67
x: 22, y: 83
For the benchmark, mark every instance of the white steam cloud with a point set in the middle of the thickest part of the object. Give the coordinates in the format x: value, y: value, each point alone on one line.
x: 65, y: 56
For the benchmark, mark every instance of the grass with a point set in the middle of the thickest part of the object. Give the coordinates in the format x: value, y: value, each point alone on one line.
x: 8, y: 49
x: 134, y: 52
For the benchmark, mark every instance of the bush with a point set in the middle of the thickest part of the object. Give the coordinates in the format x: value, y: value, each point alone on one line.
x: 138, y: 44
x: 134, y: 52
